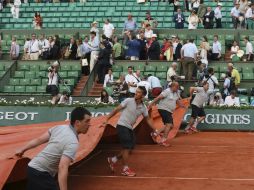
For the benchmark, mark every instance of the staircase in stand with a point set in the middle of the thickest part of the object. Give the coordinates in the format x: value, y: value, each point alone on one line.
x: 80, y: 86
x: 96, y: 90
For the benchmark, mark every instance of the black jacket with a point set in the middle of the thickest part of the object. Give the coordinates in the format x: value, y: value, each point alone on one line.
x: 154, y: 51
x: 73, y: 49
x: 208, y: 20
x: 104, y: 56
x: 177, y: 54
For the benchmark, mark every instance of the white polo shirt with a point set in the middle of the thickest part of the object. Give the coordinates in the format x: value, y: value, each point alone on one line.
x: 131, y: 79
x: 108, y: 29
x: 235, y: 12
x: 33, y: 46
x: 189, y: 50
x: 217, y: 13
x: 216, y: 47
x: 249, y: 48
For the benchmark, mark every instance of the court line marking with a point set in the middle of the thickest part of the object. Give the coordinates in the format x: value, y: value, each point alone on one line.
x: 178, y: 152
x: 164, y: 177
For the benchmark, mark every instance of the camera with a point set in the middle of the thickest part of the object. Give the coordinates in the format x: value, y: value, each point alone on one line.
x: 50, y: 69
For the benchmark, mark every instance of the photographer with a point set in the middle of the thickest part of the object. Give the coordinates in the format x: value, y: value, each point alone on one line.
x: 53, y: 78
x: 218, y: 100
x: 65, y: 98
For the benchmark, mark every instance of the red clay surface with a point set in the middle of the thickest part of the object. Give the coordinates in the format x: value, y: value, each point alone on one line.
x: 207, y: 160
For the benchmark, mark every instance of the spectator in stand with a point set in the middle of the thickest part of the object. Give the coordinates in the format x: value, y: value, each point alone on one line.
x: 86, y: 54
x: 142, y: 40
x: 72, y: 49
x: 218, y: 15
x: 235, y: 14
x: 218, y: 100
x: 95, y: 29
x: 148, y: 31
x: 105, y: 98
x: 177, y: 46
x: 53, y: 79
x: 44, y: 46
x: 37, y: 21
x: 14, y: 51
x: 235, y: 76
x: 79, y: 49
x: 108, y: 29
x: 213, y: 82
x: 103, y: 61
x: 243, y: 8
x: 234, y: 49
x: 137, y: 75
x: 195, y: 5
x: 132, y: 82
x: 172, y: 75
x: 26, y: 49
x: 204, y: 48
x: 164, y: 47
x: 176, y: 5
x: 146, y: 84
x: 208, y: 18
x: 123, y: 88
x: 109, y: 78
x: 130, y: 26
x: 249, y: 49
x: 250, y: 17
x: 179, y: 19
x: 189, y: 53
x: 94, y: 46
x: 216, y: 49
x: 193, y: 20
x: 133, y: 47
x: 65, y: 98
x: 15, y: 8
x: 168, y: 54
x: 149, y: 20
x: 55, y: 50
x: 226, y: 84
x: 232, y: 100
x: 154, y: 49
x: 155, y: 85
x: 117, y: 49
x: 33, y: 49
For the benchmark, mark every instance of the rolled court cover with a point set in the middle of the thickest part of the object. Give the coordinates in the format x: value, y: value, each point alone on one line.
x: 13, y: 137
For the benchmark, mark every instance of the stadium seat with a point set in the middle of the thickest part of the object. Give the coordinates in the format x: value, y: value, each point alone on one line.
x: 139, y: 67
x: 2, y: 73
x: 41, y: 89
x: 1, y: 67
x: 162, y: 68
x: 70, y: 82
x: 149, y: 73
x: 76, y: 67
x: 31, y: 89
x: 117, y: 68
x: 30, y: 74
x: 116, y: 75
x: 44, y: 67
x: 44, y: 82
x: 150, y: 68
x: 62, y: 74
x: 109, y: 90
x: 19, y: 74
x: 34, y: 67
x: 40, y: 74
x: 244, y: 100
x: 14, y: 82
x: 248, y: 76
x: 73, y: 74
x: 9, y: 89
x: 19, y: 89
x: 35, y: 82
x: 24, y: 82
x: 66, y: 67
x: 161, y: 75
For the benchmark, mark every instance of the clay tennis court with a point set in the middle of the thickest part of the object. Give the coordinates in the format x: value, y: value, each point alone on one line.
x: 207, y: 160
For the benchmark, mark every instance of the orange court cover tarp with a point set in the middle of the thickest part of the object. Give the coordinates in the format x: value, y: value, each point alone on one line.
x: 14, y: 137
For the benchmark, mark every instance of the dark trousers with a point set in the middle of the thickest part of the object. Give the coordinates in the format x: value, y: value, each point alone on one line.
x: 214, y: 56
x: 208, y: 25
x: 235, y: 22
x: 102, y: 70
x: 40, y: 180
x: 179, y: 25
x: 218, y: 23
x: 86, y: 69
x: 188, y: 65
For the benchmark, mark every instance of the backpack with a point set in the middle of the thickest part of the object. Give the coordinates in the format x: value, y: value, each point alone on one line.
x: 232, y: 85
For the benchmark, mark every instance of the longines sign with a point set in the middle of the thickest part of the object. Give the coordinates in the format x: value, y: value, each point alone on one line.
x: 215, y: 120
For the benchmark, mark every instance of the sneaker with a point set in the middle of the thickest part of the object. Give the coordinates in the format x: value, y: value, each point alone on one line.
x: 194, y: 129
x: 127, y: 172
x: 111, y: 164
x: 164, y: 143
x: 154, y: 136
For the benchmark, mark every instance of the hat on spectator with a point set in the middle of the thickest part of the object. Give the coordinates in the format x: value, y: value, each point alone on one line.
x: 219, y: 4
x: 95, y: 22
x: 223, y: 75
x: 154, y: 36
x: 173, y: 36
x: 249, y: 2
